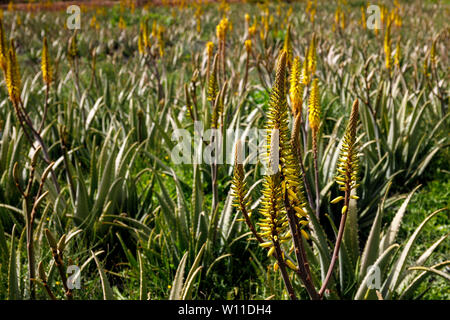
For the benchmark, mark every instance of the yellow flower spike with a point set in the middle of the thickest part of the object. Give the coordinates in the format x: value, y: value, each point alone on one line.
x: 122, y: 24
x: 213, y: 86
x: 348, y: 162
x: 199, y: 25
x: 312, y: 59
x: 248, y: 45
x: 342, y: 20
x: 72, y: 52
x: 387, y: 46
x: 252, y: 30
x: 221, y: 29
x: 363, y: 17
x: 154, y: 28
x: 288, y: 46
x: 12, y: 78
x: 141, y: 45
x: 305, y: 76
x: 3, y: 48
x: 282, y: 190
x: 209, y: 48
x: 45, y: 64
x: 433, y: 58
x: 313, y: 15
x: 337, y: 16
x: 93, y: 21
x: 145, y: 38
x: 296, y: 88
x: 397, y: 56
x: 398, y: 20
x: 313, y: 107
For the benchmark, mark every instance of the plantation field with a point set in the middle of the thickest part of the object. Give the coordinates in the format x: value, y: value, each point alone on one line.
x: 212, y: 150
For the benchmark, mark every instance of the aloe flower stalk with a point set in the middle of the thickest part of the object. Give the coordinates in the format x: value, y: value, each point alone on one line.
x: 346, y: 178
x: 314, y: 122
x: 47, y: 75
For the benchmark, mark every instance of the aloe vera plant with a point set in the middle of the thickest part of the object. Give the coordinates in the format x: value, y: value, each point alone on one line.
x: 353, y: 117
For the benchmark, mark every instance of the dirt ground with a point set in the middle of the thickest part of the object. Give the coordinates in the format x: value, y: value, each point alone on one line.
x: 62, y: 5
x: 57, y: 5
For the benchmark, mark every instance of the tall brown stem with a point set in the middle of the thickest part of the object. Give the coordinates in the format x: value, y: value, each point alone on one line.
x: 337, y: 245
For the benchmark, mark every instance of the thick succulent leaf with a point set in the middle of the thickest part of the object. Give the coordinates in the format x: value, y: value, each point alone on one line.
x: 370, y: 253
x: 391, y: 284
x: 195, y: 269
x: 106, y: 288
x: 364, y: 291
x: 444, y: 275
x: 177, y: 285
x: 351, y: 239
x: 391, y: 233
x: 4, y: 252
x: 13, y: 279
x: 319, y: 238
x: 420, y: 262
x: 412, y: 287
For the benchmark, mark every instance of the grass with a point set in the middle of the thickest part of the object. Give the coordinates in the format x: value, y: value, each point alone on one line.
x: 434, y: 195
